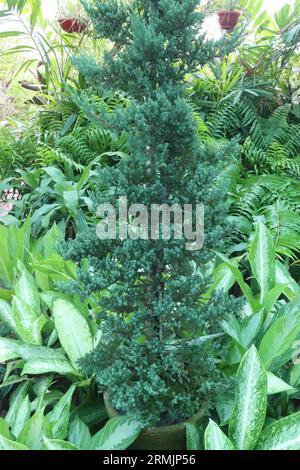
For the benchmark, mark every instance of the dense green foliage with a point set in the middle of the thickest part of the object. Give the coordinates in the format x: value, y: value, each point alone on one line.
x: 150, y: 356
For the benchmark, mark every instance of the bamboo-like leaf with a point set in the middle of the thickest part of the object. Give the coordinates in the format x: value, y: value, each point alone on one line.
x: 10, y: 34
x: 35, y: 12
x: 249, y: 412
x: 281, y: 435
x: 215, y: 439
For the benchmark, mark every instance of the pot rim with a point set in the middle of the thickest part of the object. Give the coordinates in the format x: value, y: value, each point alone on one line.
x: 72, y: 18
x: 227, y: 12
x: 177, y: 426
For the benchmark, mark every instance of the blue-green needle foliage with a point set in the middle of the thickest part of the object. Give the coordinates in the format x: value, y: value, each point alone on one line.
x: 149, y: 357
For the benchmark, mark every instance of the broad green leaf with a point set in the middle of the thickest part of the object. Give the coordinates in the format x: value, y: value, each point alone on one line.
x: 225, y: 406
x: 6, y: 315
x: 295, y: 372
x: 118, y: 434
x: 19, y: 409
x: 250, y: 328
x: 72, y: 329
x: 21, y: 417
x: 26, y: 291
x: 233, y: 328
x: 13, y: 380
x: 283, y: 277
x: 222, y: 278
x: 71, y: 201
x: 56, y: 174
x: 6, y: 444
x: 42, y: 366
x: 262, y: 259
x: 25, y: 319
x: 44, y: 214
x: 281, y: 334
x: 6, y: 294
x: 243, y: 333
x: 60, y: 415
x: 92, y: 412
x: 215, y: 439
x: 255, y: 305
x: 33, y: 431
x: 193, y: 439
x: 28, y: 352
x: 4, y: 429
x: 281, y: 435
x: 249, y: 412
x: 57, y: 444
x: 273, y: 295
x: 6, y: 354
x: 276, y: 385
x: 79, y: 434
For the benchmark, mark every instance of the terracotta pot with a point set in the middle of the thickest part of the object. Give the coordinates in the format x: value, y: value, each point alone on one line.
x: 228, y: 19
x: 73, y: 25
x: 171, y: 437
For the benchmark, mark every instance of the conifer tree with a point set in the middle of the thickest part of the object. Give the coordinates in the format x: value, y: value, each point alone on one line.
x: 152, y: 356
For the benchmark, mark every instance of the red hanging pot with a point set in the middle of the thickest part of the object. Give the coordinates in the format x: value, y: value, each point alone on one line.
x: 228, y: 19
x: 73, y: 25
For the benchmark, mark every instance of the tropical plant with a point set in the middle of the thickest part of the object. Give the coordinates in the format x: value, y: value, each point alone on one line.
x: 264, y: 271
x: 224, y: 82
x: 247, y: 429
x: 270, y: 318
x: 49, y: 197
x: 47, y: 420
x: 39, y: 257
x: 275, y: 46
x: 41, y: 45
x: 27, y: 317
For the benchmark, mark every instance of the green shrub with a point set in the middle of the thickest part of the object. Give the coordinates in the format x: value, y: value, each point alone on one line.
x: 154, y: 355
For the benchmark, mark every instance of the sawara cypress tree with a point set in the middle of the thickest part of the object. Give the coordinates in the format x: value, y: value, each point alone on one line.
x: 152, y: 302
